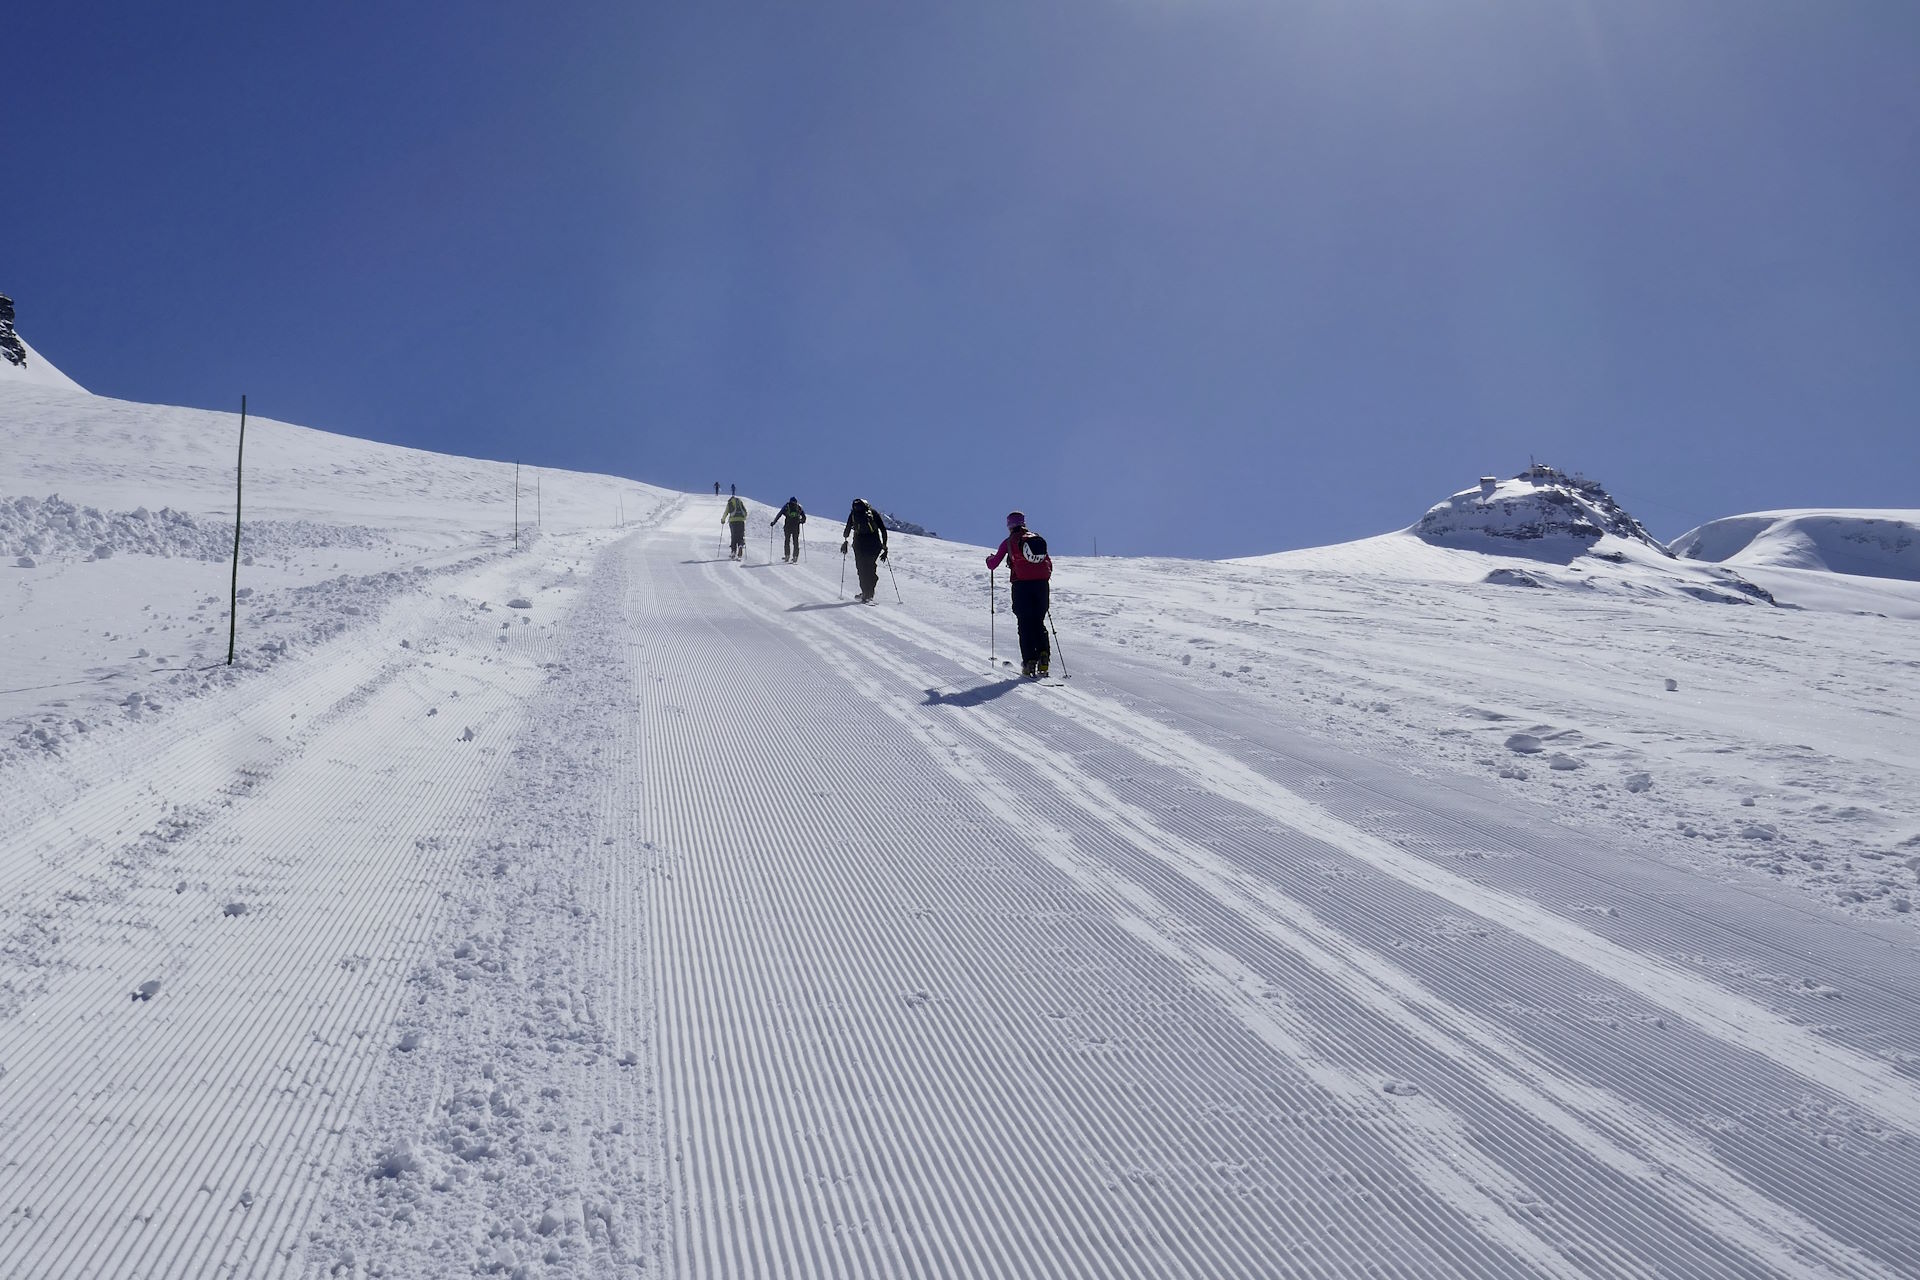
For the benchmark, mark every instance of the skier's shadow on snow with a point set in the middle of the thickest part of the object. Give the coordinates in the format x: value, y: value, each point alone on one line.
x: 715, y: 560
x: 823, y: 604
x: 971, y: 697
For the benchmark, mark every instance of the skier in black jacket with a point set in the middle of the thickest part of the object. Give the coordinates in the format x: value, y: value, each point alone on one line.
x: 868, y: 534
x: 795, y: 515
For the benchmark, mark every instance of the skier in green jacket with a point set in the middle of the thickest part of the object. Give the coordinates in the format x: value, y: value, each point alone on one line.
x: 736, y: 516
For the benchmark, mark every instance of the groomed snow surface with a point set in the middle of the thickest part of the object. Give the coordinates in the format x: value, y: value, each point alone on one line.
x: 603, y: 907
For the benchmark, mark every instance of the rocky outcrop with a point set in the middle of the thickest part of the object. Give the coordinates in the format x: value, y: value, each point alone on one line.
x: 898, y: 525
x: 1540, y: 503
x: 11, y: 347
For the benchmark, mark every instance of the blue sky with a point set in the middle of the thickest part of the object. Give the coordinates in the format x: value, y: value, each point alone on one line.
x: 1188, y: 277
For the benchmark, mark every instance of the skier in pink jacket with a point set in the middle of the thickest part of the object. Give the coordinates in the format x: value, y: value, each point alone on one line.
x: 1031, y: 569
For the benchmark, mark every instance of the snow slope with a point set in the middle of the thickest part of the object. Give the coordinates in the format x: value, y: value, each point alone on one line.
x: 116, y: 519
x: 35, y: 371
x: 608, y: 908
x: 1840, y: 561
x: 1874, y: 544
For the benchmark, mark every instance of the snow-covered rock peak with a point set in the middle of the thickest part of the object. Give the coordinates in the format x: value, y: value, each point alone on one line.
x: 898, y: 525
x: 1540, y: 503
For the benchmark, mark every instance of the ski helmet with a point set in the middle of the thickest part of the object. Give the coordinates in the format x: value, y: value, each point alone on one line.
x: 1016, y: 519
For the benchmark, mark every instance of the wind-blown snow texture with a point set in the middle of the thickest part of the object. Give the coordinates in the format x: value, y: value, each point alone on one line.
x: 607, y: 908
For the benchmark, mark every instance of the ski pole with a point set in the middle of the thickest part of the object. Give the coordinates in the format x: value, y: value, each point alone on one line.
x: 1056, y: 642
x: 843, y: 573
x: 993, y: 624
x: 769, y: 544
x: 894, y: 580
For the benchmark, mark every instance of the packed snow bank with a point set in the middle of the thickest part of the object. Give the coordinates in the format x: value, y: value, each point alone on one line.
x: 44, y: 529
x: 1870, y: 544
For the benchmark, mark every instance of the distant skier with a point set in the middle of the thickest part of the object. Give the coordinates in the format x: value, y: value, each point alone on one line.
x: 1031, y: 569
x: 731, y: 490
x: 716, y: 488
x: 735, y: 517
x: 868, y: 534
x: 795, y: 515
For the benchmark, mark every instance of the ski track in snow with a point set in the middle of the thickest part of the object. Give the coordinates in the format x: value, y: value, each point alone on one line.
x: 750, y: 935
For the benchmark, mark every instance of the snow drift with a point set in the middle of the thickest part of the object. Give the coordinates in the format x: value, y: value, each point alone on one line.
x: 1869, y: 544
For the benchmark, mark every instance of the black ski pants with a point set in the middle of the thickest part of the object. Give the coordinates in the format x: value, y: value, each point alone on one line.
x: 792, y: 543
x: 739, y: 528
x: 1030, y: 602
x: 866, y: 559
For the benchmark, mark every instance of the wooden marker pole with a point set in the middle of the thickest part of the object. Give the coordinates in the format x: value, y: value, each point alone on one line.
x: 233, y: 596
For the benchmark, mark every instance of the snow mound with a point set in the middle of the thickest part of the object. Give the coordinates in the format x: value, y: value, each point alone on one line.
x: 51, y: 528
x: 1539, y: 504
x: 20, y: 364
x: 1868, y: 544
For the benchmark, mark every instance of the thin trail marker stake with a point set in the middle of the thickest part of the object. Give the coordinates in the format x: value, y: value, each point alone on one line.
x: 516, y: 506
x: 233, y: 597
x: 538, y: 523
